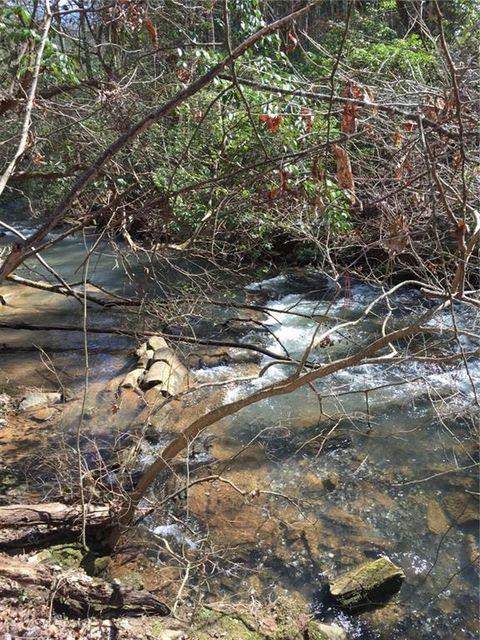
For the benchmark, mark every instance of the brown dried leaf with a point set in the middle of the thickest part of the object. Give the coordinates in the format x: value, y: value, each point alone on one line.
x: 398, y: 236
x: 344, y: 169
x: 397, y: 137
x: 292, y: 42
x: 349, y: 122
x: 183, y: 74
x: 152, y: 32
x: 409, y: 125
x: 272, y: 121
x: 307, y: 116
x: 38, y: 159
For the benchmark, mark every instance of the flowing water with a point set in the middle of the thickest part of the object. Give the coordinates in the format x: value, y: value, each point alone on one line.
x: 396, y: 476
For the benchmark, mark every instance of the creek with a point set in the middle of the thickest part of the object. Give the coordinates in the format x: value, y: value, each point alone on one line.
x: 379, y: 459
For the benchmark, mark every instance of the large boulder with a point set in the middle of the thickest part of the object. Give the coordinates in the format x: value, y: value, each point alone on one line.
x: 370, y: 584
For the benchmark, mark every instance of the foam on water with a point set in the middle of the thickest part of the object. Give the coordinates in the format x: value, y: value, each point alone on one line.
x: 175, y: 532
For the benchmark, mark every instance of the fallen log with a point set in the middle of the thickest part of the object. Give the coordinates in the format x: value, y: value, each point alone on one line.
x: 80, y: 592
x: 54, y: 514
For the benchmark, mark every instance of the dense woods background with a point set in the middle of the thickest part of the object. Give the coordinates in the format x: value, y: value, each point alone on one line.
x: 345, y: 137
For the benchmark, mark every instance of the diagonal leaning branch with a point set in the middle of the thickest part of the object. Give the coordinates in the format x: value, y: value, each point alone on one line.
x: 18, y: 252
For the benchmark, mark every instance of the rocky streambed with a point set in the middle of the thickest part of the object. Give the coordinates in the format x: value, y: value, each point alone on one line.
x: 285, y: 497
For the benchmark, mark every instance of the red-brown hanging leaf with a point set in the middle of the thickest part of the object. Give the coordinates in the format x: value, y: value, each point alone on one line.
x: 403, y: 166
x: 397, y: 137
x: 284, y: 178
x: 198, y: 115
x: 38, y: 159
x: 434, y: 108
x: 369, y: 96
x: 152, y: 32
x: 457, y: 160
x: 398, y: 235
x: 272, y: 121
x: 292, y: 42
x: 183, y: 74
x: 409, y: 125
x: 344, y: 169
x: 307, y: 116
x: 318, y: 172
x: 350, y: 110
x: 356, y: 91
x: 271, y: 196
x: 349, y: 122
x: 450, y: 103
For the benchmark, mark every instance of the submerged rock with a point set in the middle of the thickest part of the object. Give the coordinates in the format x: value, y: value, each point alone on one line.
x: 473, y: 552
x: 437, y: 521
x: 368, y: 585
x: 322, y: 631
x: 316, y: 483
x: 462, y: 507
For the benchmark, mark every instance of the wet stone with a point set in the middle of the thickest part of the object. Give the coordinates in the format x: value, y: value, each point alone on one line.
x: 322, y: 631
x: 372, y: 583
x: 462, y: 507
x: 133, y: 379
x: 43, y: 415
x: 145, y: 358
x: 437, y: 521
x: 37, y: 400
x: 473, y: 552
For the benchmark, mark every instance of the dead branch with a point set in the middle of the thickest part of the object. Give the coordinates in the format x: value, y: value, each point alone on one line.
x: 80, y: 592
x: 52, y: 514
x: 55, y: 288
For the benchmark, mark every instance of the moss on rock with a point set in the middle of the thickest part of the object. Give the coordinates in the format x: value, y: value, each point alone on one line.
x: 212, y: 624
x: 74, y: 556
x: 370, y: 584
x: 321, y: 631
x: 70, y: 556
